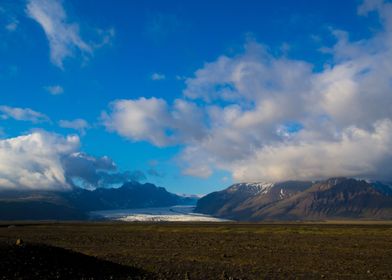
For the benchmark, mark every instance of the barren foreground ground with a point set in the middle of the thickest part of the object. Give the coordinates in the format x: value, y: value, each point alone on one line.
x: 196, y: 251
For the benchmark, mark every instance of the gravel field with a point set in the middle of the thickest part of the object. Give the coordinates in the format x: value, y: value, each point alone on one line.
x: 198, y: 250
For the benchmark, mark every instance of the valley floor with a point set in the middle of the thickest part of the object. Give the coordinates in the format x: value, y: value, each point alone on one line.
x: 198, y: 250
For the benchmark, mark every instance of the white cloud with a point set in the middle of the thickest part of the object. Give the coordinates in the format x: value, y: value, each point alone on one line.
x: 46, y: 161
x: 64, y: 36
x: 158, y: 77
x: 247, y: 102
x: 55, y: 89
x: 77, y: 124
x: 154, y: 121
x: 33, y: 161
x: 355, y: 153
x: 141, y: 119
x: 22, y: 114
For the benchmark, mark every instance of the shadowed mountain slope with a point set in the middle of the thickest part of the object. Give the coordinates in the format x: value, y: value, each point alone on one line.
x: 74, y: 204
x: 336, y: 198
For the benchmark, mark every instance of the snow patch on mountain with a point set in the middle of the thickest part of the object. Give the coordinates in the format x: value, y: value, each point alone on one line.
x: 281, y: 194
x: 252, y: 188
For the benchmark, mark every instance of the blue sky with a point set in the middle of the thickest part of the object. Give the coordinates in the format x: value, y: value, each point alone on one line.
x: 165, y: 52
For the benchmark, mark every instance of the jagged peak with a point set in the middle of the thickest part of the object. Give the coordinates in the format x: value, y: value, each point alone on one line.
x: 336, y: 180
x: 254, y: 187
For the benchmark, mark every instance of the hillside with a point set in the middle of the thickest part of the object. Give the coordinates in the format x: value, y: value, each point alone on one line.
x: 336, y: 198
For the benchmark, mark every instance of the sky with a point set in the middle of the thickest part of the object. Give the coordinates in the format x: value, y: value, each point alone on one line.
x: 193, y: 95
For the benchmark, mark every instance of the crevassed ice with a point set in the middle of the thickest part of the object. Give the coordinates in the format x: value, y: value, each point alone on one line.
x: 178, y: 213
x: 168, y: 218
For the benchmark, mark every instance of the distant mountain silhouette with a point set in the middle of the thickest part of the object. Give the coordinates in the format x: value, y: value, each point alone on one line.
x: 74, y: 204
x: 336, y: 198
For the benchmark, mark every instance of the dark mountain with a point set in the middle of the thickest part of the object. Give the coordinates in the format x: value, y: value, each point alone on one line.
x: 38, y: 210
x: 130, y: 195
x: 338, y: 198
x: 383, y: 188
x: 37, y: 205
x: 74, y: 204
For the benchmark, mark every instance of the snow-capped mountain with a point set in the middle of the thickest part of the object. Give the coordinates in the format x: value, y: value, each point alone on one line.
x: 236, y: 201
x: 251, y: 188
x: 335, y: 198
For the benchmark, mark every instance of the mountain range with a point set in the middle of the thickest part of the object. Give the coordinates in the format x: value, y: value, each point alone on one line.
x: 335, y: 198
x: 75, y: 204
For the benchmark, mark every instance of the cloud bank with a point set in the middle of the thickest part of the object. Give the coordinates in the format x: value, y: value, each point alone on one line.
x: 269, y: 118
x: 48, y: 161
x: 33, y: 161
x: 93, y: 172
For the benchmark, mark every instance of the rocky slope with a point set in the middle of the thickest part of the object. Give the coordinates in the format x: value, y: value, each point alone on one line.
x: 337, y: 198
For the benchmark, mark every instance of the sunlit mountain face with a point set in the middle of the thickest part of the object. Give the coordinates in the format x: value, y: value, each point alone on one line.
x: 181, y: 95
x: 333, y: 199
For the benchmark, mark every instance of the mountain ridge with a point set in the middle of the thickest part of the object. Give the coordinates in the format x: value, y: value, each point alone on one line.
x: 76, y: 203
x: 335, y: 198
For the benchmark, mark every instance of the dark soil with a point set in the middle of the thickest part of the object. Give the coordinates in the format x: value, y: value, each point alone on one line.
x: 37, y: 261
x: 201, y: 251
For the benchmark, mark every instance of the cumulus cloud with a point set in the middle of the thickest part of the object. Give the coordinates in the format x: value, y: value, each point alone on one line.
x: 353, y: 94
x: 356, y: 153
x: 64, y: 36
x: 48, y: 161
x: 265, y: 117
x: 154, y: 120
x: 22, y: 114
x: 141, y: 119
x: 78, y: 124
x: 33, y: 161
x: 55, y: 89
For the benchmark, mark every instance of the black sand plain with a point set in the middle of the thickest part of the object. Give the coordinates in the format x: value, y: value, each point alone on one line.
x: 109, y: 250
